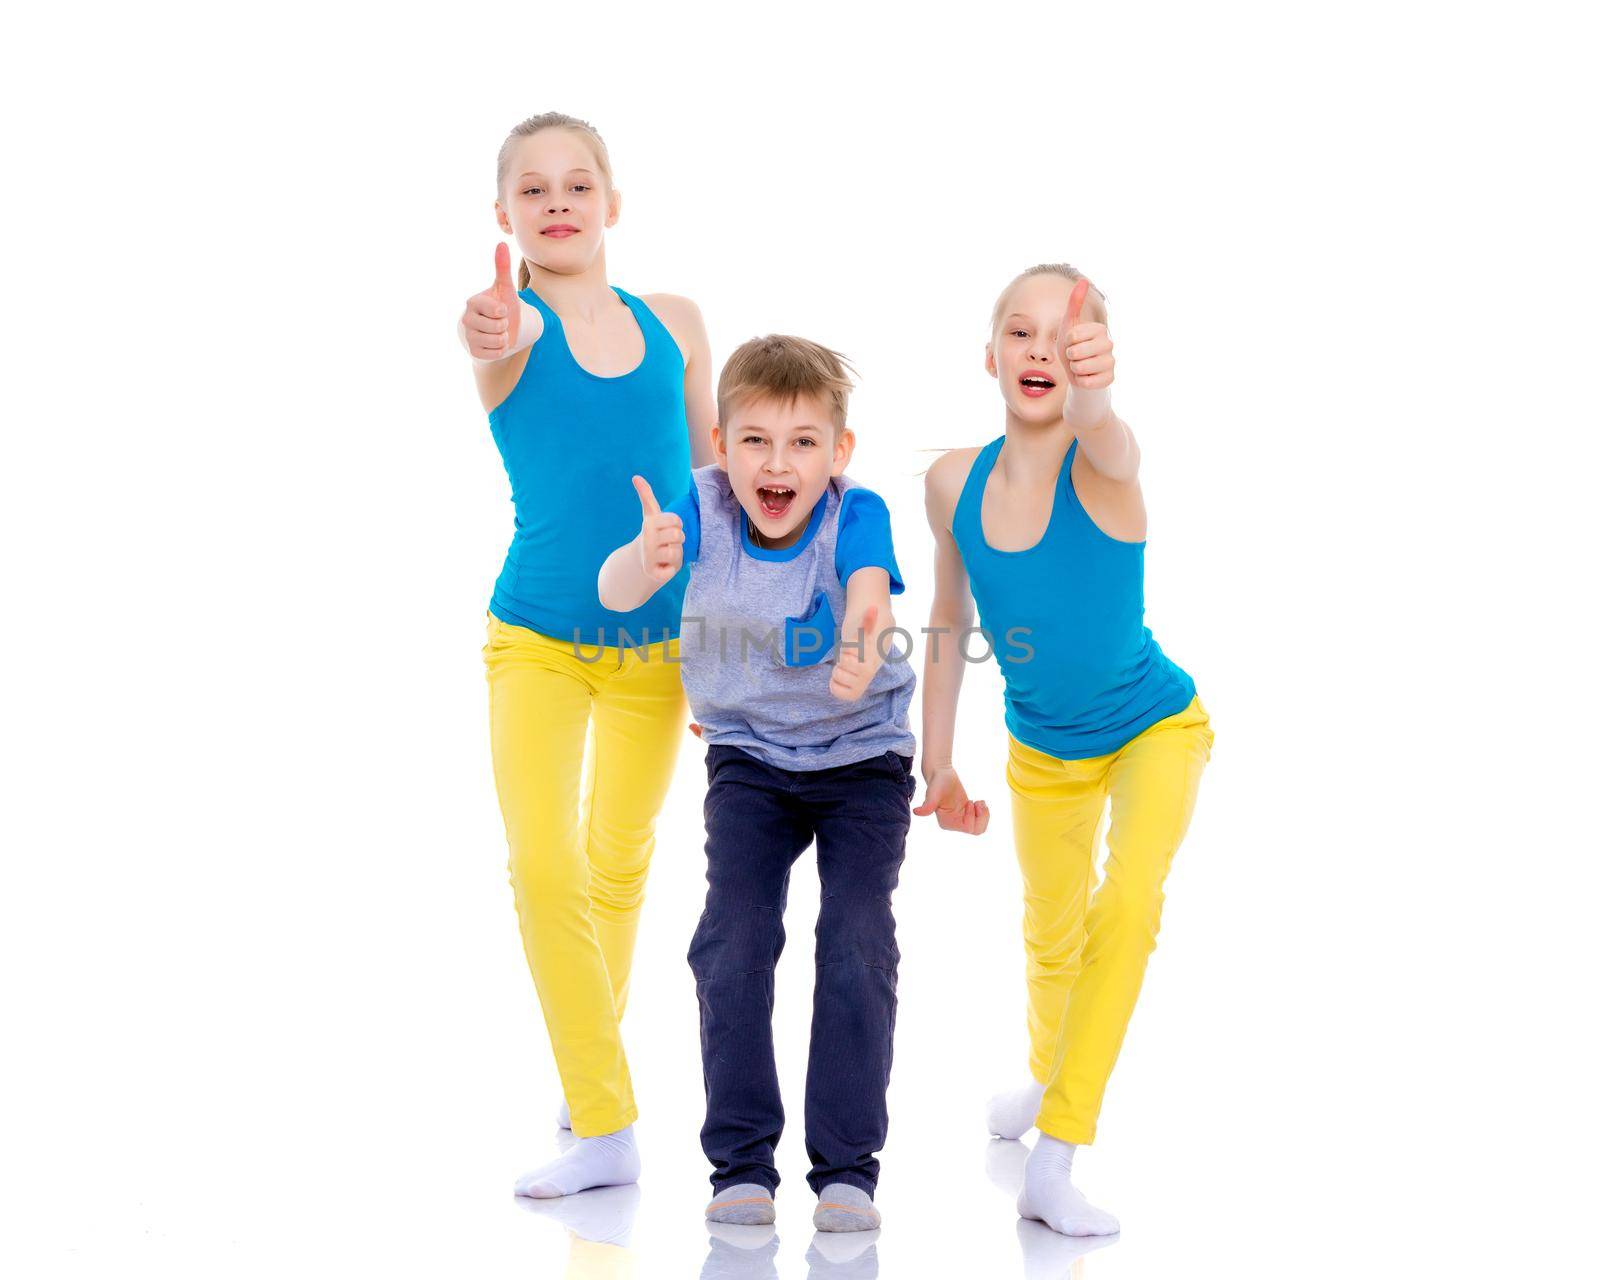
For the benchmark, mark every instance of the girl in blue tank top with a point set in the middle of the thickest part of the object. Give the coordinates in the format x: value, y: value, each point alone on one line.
x: 1043, y: 529
x: 586, y: 385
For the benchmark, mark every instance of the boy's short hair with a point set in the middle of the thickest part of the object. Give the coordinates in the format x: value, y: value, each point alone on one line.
x: 783, y: 368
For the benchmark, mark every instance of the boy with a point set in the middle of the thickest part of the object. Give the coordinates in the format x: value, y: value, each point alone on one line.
x: 791, y: 566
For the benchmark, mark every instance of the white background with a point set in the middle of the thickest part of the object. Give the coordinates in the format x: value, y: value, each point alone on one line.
x: 265, y: 1006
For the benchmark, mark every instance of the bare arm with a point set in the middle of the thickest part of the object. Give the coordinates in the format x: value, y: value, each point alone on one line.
x: 498, y: 328
x: 699, y: 405
x: 866, y: 617
x: 1086, y: 354
x: 688, y: 327
x: 638, y: 569
x: 1110, y: 448
x: 951, y: 614
x: 623, y: 583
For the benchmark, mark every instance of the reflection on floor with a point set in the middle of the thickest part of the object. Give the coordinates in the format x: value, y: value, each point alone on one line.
x: 600, y: 1226
x: 602, y: 1216
x: 751, y: 1253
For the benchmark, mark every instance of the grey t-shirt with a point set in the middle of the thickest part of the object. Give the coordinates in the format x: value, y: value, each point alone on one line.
x: 759, y: 636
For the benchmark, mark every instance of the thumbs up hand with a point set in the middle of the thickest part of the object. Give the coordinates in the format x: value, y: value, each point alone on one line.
x: 858, y: 659
x: 660, y: 535
x: 494, y: 324
x: 1084, y: 348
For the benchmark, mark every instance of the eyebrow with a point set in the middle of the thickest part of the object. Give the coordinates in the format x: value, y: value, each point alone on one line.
x: 532, y: 174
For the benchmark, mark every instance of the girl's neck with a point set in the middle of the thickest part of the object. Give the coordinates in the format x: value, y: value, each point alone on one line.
x: 579, y: 297
x: 1034, y: 449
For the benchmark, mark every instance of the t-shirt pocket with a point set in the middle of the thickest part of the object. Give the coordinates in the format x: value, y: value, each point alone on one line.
x: 809, y: 640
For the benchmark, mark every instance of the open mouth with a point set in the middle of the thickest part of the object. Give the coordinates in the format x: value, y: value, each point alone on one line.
x: 775, y: 499
x: 1035, y: 385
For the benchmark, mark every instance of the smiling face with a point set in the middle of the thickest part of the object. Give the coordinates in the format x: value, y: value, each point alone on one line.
x: 1022, y: 353
x: 779, y: 460
x: 556, y: 201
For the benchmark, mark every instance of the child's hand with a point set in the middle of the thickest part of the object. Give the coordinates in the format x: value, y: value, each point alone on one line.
x: 857, y: 662
x: 1085, y: 353
x: 660, y: 536
x: 492, y: 320
x: 947, y: 798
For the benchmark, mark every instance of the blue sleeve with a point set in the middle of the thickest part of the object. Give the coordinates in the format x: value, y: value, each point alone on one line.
x: 688, y: 507
x: 864, y: 538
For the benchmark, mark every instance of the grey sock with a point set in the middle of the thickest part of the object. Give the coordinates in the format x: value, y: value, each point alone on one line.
x: 745, y: 1203
x: 843, y: 1207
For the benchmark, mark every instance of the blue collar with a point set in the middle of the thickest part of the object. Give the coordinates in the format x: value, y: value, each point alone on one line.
x: 783, y: 553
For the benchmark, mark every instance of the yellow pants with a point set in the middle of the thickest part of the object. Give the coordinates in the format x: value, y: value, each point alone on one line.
x: 581, y: 840
x: 1086, y: 956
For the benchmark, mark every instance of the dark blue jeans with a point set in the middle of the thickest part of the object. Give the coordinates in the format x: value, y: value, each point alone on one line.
x: 759, y: 819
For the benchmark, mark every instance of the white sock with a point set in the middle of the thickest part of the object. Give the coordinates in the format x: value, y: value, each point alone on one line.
x: 1011, y: 1113
x: 563, y: 1116
x: 610, y: 1160
x: 1049, y: 1196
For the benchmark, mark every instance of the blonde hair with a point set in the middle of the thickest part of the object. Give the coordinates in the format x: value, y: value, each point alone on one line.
x: 1094, y: 305
x: 531, y: 126
x: 783, y: 368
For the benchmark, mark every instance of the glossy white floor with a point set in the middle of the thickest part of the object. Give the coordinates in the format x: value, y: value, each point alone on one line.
x: 350, y: 1079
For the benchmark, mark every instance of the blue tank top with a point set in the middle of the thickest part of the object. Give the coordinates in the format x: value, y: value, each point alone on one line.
x: 1085, y: 676
x: 571, y: 442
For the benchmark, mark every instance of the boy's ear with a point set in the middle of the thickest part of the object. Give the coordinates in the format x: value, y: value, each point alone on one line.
x: 843, y: 450
x: 988, y: 360
x: 719, y: 446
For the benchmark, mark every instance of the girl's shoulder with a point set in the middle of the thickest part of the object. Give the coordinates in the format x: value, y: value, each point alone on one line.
x: 675, y: 303
x: 946, y: 478
x: 682, y: 319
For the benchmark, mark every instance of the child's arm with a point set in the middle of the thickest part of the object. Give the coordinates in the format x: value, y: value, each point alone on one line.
x: 686, y: 324
x: 950, y: 616
x: 866, y: 618
x: 636, y: 570
x: 699, y: 402
x: 495, y: 325
x: 1103, y: 438
x: 864, y: 561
